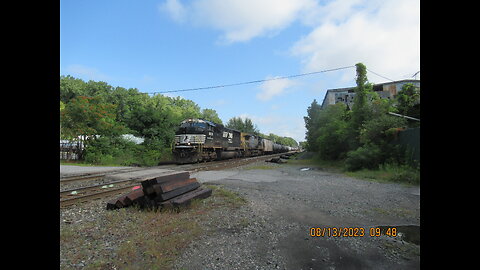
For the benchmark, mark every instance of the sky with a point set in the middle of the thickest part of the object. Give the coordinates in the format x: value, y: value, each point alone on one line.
x: 167, y: 45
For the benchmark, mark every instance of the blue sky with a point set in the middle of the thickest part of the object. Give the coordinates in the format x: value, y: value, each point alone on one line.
x: 173, y: 44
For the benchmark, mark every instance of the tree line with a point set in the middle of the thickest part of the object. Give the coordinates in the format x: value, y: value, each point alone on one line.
x: 101, y: 113
x: 248, y: 126
x: 362, y: 136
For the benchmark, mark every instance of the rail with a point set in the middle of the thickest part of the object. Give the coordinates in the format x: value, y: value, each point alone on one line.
x: 73, y: 196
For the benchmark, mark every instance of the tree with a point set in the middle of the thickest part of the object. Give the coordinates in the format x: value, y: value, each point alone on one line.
x: 86, y: 116
x: 211, y: 115
x: 288, y: 141
x: 249, y: 127
x: 70, y: 88
x: 332, y: 129
x: 360, y: 108
x: 408, y: 100
x: 244, y: 126
x: 311, y: 124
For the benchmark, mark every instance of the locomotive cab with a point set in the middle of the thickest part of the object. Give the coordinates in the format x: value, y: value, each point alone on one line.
x: 190, y: 138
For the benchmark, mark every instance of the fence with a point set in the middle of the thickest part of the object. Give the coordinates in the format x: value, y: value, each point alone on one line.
x: 71, y: 150
x: 410, y: 138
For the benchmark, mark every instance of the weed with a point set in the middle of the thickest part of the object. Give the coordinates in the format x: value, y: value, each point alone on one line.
x: 140, y: 239
x: 231, y: 198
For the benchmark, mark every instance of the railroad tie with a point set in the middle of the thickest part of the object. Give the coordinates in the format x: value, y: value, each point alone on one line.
x: 171, y: 190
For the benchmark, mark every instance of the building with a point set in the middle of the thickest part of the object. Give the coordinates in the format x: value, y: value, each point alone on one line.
x: 385, y: 90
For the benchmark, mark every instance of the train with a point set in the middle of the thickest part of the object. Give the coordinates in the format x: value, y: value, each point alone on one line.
x: 199, y: 140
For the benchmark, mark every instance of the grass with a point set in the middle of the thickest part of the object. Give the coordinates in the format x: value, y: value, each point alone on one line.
x: 387, y: 173
x: 131, y: 238
x: 315, y: 162
x: 229, y: 198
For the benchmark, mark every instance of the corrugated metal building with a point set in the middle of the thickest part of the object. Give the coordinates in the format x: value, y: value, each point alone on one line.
x: 385, y: 90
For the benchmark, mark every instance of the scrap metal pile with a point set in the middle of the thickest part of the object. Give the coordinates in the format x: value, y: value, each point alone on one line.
x: 170, y: 190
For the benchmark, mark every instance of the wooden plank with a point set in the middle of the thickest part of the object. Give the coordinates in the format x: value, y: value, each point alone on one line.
x: 186, y: 198
x: 134, y: 196
x: 178, y: 191
x: 171, y: 185
x: 111, y: 205
x: 123, y: 201
x: 147, y: 184
x: 116, y: 203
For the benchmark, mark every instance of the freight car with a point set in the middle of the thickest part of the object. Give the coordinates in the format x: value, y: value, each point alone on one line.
x: 201, y: 140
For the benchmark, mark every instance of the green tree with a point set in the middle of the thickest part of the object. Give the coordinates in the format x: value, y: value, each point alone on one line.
x: 311, y: 124
x: 235, y: 123
x: 249, y: 127
x: 360, y: 109
x: 245, y: 126
x: 85, y: 116
x: 70, y: 88
x: 211, y: 115
x: 376, y: 147
x: 408, y: 100
x: 332, y: 130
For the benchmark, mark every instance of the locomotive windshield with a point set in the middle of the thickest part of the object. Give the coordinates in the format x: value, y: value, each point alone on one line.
x: 191, y: 127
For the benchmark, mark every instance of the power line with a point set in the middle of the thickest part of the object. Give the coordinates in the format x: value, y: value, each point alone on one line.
x: 380, y: 75
x: 249, y: 82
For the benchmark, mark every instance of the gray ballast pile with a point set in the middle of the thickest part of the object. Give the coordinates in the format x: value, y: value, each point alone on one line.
x: 170, y: 190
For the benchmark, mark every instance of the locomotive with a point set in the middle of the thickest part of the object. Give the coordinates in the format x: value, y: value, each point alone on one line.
x: 202, y: 140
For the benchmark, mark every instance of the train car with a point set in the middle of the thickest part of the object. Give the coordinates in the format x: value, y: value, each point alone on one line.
x: 267, y: 146
x: 251, y: 144
x: 200, y: 140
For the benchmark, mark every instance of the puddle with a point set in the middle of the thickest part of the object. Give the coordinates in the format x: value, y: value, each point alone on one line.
x: 407, y: 233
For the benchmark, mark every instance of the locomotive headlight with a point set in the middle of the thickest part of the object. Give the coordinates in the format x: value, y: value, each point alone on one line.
x: 188, y: 143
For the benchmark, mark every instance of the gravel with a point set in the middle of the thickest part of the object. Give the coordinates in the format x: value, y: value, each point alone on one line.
x: 272, y: 230
x: 69, y: 170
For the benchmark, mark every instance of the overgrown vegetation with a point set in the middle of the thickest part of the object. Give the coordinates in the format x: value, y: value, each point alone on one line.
x: 99, y: 114
x: 362, y: 137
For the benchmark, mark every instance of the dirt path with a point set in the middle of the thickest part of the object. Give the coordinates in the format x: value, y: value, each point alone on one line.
x: 272, y: 231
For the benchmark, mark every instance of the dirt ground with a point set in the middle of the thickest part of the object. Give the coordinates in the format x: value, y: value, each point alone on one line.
x: 273, y: 230
x: 267, y: 224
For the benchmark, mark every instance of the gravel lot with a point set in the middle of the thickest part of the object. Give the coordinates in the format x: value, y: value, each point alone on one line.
x: 272, y: 230
x: 284, y: 202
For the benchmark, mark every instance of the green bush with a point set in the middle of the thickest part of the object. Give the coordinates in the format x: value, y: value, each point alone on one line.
x: 403, y: 173
x: 116, y: 150
x: 368, y: 156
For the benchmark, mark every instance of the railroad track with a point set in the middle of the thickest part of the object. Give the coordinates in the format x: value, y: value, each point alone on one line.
x: 73, y: 196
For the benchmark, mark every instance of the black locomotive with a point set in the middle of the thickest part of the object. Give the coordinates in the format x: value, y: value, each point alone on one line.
x: 201, y: 140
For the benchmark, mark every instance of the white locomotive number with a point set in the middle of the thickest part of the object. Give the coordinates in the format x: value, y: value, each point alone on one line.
x: 228, y: 135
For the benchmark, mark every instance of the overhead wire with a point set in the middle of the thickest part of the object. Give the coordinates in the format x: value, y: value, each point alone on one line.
x: 260, y: 81
x: 249, y: 82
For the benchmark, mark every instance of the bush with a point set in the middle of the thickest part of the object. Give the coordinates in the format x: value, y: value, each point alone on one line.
x: 368, y: 156
x: 113, y: 150
x: 332, y: 133
x: 403, y: 173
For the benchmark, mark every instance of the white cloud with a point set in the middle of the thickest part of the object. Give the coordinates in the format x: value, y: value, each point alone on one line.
x: 382, y: 34
x: 240, y: 20
x: 385, y: 36
x: 175, y: 9
x: 272, y: 88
